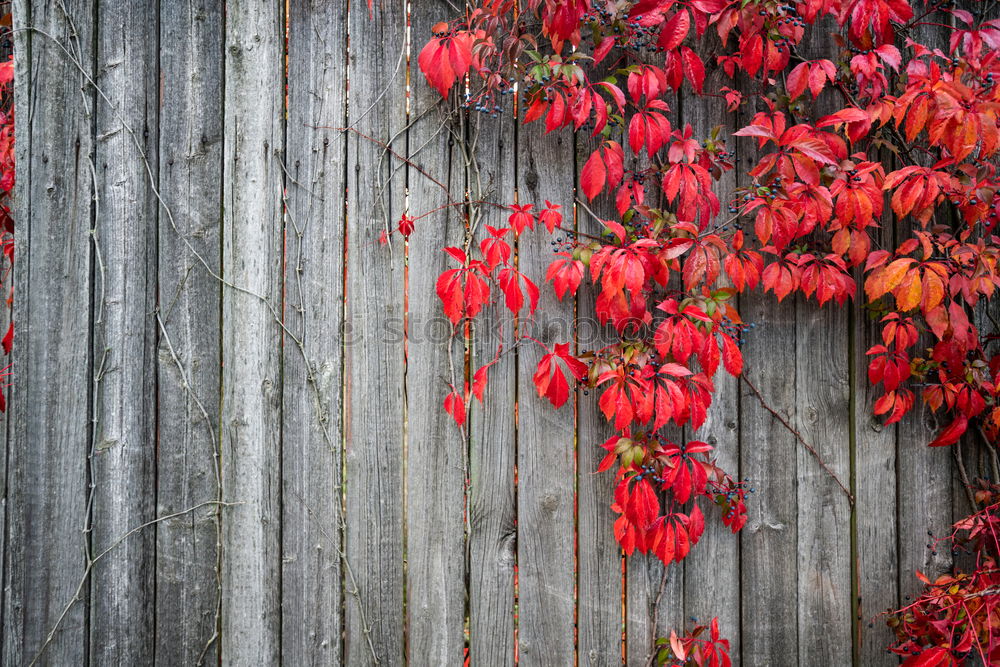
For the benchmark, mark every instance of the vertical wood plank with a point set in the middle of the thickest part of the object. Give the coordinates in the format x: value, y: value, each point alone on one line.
x: 6, y: 50
x: 925, y: 474
x: 824, y: 511
x: 712, y: 571
x: 768, y: 454
x: 875, y: 489
x: 123, y: 464
x: 650, y: 597
x: 492, y: 448
x: 545, y: 436
x: 374, y: 349
x: 47, y: 469
x: 925, y: 498
x: 436, y: 448
x: 823, y: 418
x: 251, y: 343
x: 599, y: 557
x: 188, y: 354
x: 311, y: 576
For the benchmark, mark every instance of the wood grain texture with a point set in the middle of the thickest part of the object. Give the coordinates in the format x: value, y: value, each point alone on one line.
x: 924, y: 474
x: 875, y: 491
x: 823, y: 418
x: 599, y: 557
x: 47, y: 464
x: 546, y: 463
x: 645, y: 602
x: 824, y: 510
x: 768, y: 454
x: 311, y: 579
x: 123, y: 458
x: 436, y: 447
x: 251, y: 333
x: 6, y: 50
x: 188, y: 354
x: 434, y: 522
x: 374, y: 346
x: 493, y: 444
x: 711, y: 573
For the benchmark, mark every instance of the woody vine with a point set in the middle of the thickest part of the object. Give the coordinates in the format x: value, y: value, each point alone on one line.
x: 668, y: 266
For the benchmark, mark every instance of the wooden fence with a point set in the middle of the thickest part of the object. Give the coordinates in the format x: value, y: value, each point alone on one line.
x: 222, y: 447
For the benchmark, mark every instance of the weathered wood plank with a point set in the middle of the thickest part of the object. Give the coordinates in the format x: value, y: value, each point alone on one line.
x: 655, y: 601
x: 824, y: 510
x: 251, y: 334
x: 122, y: 465
x: 493, y: 445
x: 312, y: 426
x: 6, y: 50
x: 875, y: 490
x: 190, y: 183
x: 599, y: 557
x: 47, y: 467
x: 823, y: 418
x: 768, y: 454
x: 546, y: 464
x: 712, y: 571
x: 436, y: 447
x: 374, y: 349
x: 924, y: 474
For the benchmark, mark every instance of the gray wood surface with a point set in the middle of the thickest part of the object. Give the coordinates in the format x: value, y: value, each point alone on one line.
x: 374, y: 347
x: 243, y: 340
x: 251, y: 333
x: 875, y: 486
x: 436, y: 449
x: 188, y: 354
x: 823, y: 397
x: 768, y: 457
x: 51, y: 431
x: 824, y: 510
x: 711, y: 572
x: 493, y: 444
x: 122, y: 460
x: 312, y: 435
x: 925, y: 475
x: 6, y: 50
x: 600, y: 577
x: 546, y: 464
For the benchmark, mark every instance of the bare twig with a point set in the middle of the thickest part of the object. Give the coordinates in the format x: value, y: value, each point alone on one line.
x: 90, y: 566
x: 798, y: 436
x: 966, y: 486
x: 654, y: 621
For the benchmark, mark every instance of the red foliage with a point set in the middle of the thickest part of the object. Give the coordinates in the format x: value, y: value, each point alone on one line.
x: 6, y: 192
x: 958, y: 615
x: 665, y: 277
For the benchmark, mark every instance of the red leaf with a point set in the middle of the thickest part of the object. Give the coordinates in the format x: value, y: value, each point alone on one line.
x: 732, y: 357
x: 930, y: 658
x: 694, y: 69
x: 435, y: 63
x: 551, y: 217
x: 565, y: 275
x: 594, y: 175
x: 479, y: 381
x: 454, y: 405
x: 797, y: 80
x: 675, y: 30
x: 8, y: 339
x: 951, y: 433
x: 521, y: 218
x: 549, y: 378
x: 406, y: 225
